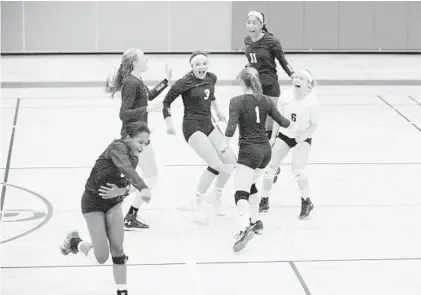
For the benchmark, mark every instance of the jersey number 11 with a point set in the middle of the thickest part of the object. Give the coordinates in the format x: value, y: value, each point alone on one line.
x: 253, y: 58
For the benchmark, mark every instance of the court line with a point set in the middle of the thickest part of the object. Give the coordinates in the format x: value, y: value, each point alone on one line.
x: 221, y: 262
x: 204, y: 165
x: 321, y: 82
x: 9, y: 158
x: 397, y: 111
x: 416, y: 101
x: 47, y: 218
x: 300, y: 278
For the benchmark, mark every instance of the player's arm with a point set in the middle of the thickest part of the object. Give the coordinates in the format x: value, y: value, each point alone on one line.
x: 118, y: 155
x: 171, y: 96
x: 154, y: 92
x: 314, y: 122
x: 277, y: 117
x: 128, y: 97
x: 279, y: 54
x: 276, y: 126
x: 234, y: 117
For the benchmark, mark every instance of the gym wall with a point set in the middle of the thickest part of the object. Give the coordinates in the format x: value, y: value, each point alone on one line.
x: 79, y: 27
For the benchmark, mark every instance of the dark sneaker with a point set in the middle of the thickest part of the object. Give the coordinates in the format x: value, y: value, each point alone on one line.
x: 257, y: 227
x: 132, y: 223
x: 70, y: 243
x: 306, y: 207
x: 243, y: 238
x: 264, y: 205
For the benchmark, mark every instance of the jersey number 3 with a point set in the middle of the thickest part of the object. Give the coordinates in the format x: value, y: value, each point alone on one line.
x: 207, y: 93
x: 253, y: 58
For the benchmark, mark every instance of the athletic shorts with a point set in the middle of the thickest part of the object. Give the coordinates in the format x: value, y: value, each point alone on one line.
x: 255, y: 156
x: 191, y: 126
x: 291, y: 142
x: 94, y: 203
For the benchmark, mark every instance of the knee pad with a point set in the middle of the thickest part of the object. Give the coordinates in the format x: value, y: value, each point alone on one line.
x: 269, y: 173
x: 228, y: 168
x: 253, y: 189
x: 120, y: 260
x: 211, y: 170
x: 241, y: 195
x: 299, y: 174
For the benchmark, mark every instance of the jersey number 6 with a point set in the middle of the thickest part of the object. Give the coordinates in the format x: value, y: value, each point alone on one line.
x: 294, y: 117
x: 253, y: 58
x: 207, y: 93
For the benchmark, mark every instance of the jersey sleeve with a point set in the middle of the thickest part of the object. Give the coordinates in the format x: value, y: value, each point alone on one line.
x: 128, y: 96
x: 154, y: 92
x: 279, y: 54
x: 176, y: 90
x: 120, y: 158
x: 214, y: 78
x: 276, y: 115
x: 234, y: 117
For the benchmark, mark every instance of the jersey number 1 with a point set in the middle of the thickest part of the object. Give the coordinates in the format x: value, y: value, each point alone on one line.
x: 253, y: 58
x: 257, y: 115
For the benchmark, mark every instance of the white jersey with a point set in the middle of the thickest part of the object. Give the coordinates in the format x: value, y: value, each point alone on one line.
x: 301, y: 113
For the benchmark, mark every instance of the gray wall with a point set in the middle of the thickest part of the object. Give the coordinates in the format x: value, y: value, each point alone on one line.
x: 218, y: 26
x: 339, y: 25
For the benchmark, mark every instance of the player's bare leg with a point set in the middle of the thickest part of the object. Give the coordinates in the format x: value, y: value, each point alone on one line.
x: 204, y: 149
x: 300, y: 156
x: 228, y: 165
x: 279, y: 151
x: 149, y: 170
x: 243, y: 178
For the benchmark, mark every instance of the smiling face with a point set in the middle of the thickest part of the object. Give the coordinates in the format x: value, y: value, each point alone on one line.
x: 301, y: 82
x: 138, y: 142
x: 200, y: 66
x: 253, y: 26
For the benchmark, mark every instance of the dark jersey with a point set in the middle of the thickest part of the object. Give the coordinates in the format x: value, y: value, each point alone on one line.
x: 197, y: 95
x: 135, y: 95
x: 116, y: 166
x: 251, y: 113
x: 261, y: 56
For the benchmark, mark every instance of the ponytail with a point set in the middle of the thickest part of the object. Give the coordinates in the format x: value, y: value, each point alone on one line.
x: 264, y: 27
x: 256, y: 87
x: 114, y: 84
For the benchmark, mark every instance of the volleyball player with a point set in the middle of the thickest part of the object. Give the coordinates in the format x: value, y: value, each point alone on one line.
x: 262, y: 49
x: 102, y: 208
x: 250, y: 111
x: 301, y: 105
x: 134, y: 107
x: 197, y: 90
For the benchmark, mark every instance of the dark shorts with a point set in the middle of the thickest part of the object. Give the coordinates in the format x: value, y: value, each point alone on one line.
x: 272, y: 89
x: 91, y: 203
x: 190, y: 127
x: 291, y: 142
x: 254, y: 155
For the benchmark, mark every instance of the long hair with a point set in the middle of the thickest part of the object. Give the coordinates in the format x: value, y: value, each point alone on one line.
x: 113, y: 84
x: 250, y: 78
x: 264, y: 27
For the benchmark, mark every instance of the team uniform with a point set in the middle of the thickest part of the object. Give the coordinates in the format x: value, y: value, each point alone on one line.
x: 197, y: 95
x: 135, y: 96
x: 302, y: 112
x: 261, y: 55
x: 255, y: 152
x: 250, y: 114
x: 113, y: 166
